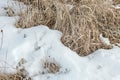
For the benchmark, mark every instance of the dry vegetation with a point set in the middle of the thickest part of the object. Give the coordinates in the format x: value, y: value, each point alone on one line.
x: 116, y: 1
x: 81, y: 26
x: 21, y: 73
x: 9, y: 11
x: 16, y: 76
x: 50, y: 66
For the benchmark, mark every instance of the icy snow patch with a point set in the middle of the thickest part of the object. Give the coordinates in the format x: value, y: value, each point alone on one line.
x: 117, y: 6
x: 16, y: 6
x: 69, y: 6
x: 104, y: 40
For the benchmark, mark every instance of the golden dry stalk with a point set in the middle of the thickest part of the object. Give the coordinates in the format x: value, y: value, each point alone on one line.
x: 81, y: 25
x: 51, y: 67
x: 16, y: 76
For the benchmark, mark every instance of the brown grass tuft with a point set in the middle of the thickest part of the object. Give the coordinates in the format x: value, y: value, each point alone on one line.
x: 116, y: 2
x: 16, y: 76
x: 21, y: 73
x: 50, y: 66
x: 10, y: 12
x: 81, y: 26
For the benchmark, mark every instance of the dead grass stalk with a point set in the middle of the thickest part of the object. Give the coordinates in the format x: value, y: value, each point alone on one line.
x: 81, y: 25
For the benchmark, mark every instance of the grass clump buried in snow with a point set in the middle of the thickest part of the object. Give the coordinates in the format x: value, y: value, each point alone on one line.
x: 16, y: 76
x: 20, y: 74
x: 81, y: 25
x: 50, y: 66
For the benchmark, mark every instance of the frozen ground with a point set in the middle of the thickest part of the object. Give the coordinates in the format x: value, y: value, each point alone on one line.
x: 37, y: 44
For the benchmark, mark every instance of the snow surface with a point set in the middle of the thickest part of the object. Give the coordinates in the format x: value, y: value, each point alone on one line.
x: 104, y: 40
x: 117, y: 6
x: 39, y: 43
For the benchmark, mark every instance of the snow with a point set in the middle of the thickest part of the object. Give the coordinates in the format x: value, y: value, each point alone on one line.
x: 37, y: 44
x: 9, y: 4
x: 117, y: 6
x: 69, y: 6
x: 104, y: 40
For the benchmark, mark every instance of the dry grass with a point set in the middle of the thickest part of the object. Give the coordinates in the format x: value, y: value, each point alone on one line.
x: 10, y: 12
x: 116, y: 2
x: 50, y: 66
x: 81, y: 26
x: 21, y: 73
x: 16, y: 76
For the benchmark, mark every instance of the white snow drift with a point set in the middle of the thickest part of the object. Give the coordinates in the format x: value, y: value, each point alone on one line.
x: 40, y: 43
